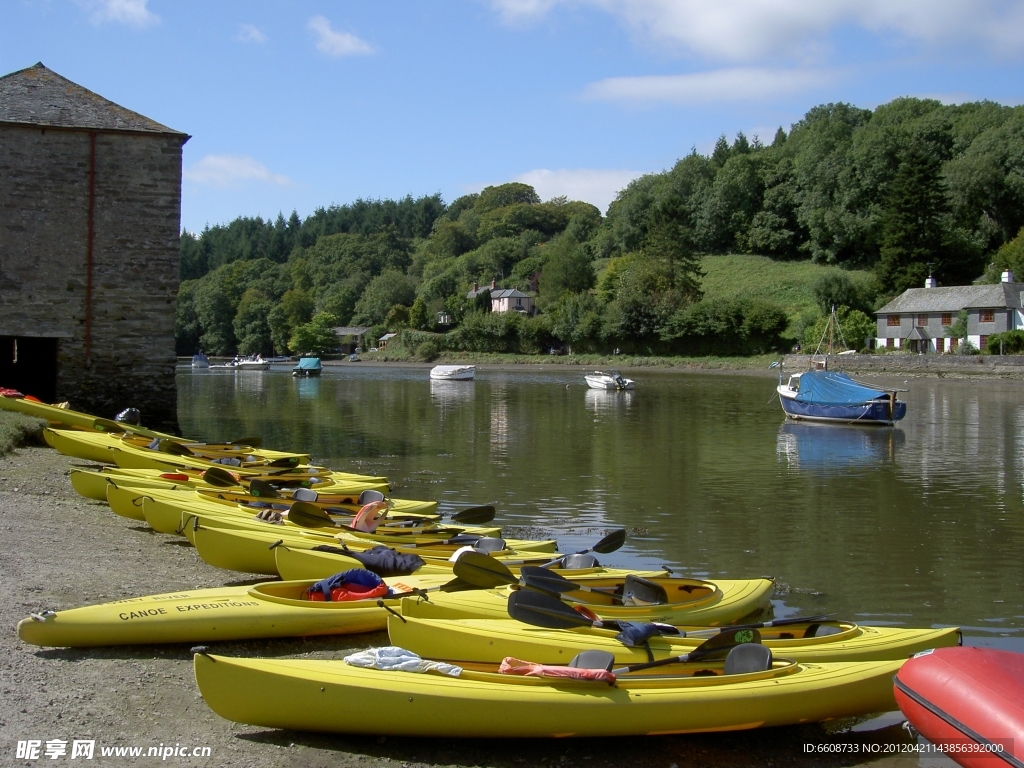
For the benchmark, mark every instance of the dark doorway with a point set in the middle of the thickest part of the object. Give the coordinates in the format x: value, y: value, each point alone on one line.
x: 29, y: 365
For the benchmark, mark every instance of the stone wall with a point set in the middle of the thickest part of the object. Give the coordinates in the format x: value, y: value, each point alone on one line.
x: 44, y: 205
x: 935, y: 365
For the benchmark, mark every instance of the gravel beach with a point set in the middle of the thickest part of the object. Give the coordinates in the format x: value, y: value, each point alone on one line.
x: 61, y: 551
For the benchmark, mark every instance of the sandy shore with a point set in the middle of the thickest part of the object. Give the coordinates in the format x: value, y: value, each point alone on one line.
x: 62, y: 551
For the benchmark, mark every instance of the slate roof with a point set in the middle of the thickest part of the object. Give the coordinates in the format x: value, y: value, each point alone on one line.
x: 351, y: 330
x: 954, y: 298
x: 39, y: 96
x: 508, y: 293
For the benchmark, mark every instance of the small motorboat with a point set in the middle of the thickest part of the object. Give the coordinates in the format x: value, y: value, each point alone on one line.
x: 610, y: 381
x: 968, y: 702
x: 278, y: 359
x: 253, y: 363
x: 308, y: 366
x: 453, y: 372
x: 199, y: 360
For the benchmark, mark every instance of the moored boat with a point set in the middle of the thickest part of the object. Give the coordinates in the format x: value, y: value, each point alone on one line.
x: 608, y: 381
x: 831, y: 396
x: 308, y: 366
x: 453, y: 372
x: 200, y: 360
x: 968, y: 702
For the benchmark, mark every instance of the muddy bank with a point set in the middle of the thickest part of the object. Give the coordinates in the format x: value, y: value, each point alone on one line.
x: 61, y: 551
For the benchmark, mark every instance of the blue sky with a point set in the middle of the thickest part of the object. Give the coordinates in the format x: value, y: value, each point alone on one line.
x: 296, y: 105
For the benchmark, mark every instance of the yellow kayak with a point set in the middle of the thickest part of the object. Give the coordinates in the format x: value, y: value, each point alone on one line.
x: 92, y: 482
x: 65, y: 418
x: 167, y: 511
x: 490, y: 640
x: 689, y: 602
x: 101, y: 446
x: 336, y: 697
x: 248, y: 549
x: 274, y: 609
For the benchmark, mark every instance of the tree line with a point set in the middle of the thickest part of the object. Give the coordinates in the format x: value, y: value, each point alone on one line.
x: 911, y: 188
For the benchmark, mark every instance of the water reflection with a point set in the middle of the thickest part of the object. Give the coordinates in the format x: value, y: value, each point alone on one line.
x: 451, y: 392
x: 598, y: 400
x: 308, y: 387
x: 836, y: 446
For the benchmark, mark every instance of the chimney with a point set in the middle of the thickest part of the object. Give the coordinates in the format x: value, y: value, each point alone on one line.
x: 931, y: 282
x: 475, y: 287
x: 1008, y: 276
x: 492, y: 284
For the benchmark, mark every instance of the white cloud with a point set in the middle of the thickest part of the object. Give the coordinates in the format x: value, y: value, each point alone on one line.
x: 134, y: 13
x: 596, y: 186
x: 333, y: 43
x: 720, y: 85
x: 247, y: 33
x: 231, y: 170
x: 750, y: 30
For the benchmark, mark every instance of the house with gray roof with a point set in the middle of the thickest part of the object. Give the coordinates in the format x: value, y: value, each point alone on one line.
x: 504, y: 299
x: 919, y: 318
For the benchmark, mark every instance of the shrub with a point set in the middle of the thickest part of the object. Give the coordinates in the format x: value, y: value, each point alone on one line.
x: 1007, y: 343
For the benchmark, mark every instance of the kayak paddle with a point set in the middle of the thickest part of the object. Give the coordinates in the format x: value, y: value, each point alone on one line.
x: 609, y: 543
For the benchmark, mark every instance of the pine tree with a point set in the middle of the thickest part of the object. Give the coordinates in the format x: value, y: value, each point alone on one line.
x: 912, y: 233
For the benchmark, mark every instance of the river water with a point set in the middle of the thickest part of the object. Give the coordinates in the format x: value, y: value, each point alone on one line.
x: 921, y: 525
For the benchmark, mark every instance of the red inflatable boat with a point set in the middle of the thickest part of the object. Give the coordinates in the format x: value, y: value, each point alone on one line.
x: 968, y: 702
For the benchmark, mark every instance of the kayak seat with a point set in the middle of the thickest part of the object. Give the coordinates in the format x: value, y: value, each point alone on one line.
x: 579, y: 561
x: 821, y: 630
x: 304, y: 494
x: 367, y: 497
x: 593, y: 659
x: 639, y: 591
x: 748, y: 657
x: 489, y: 544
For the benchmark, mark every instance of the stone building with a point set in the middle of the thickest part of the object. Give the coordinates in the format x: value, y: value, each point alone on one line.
x: 90, y: 214
x: 919, y: 318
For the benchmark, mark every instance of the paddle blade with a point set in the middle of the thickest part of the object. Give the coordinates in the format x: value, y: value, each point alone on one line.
x: 483, y: 571
x: 262, y: 489
x: 542, y: 610
x: 723, y: 642
x: 475, y: 515
x: 175, y: 449
x: 219, y: 477
x: 536, y: 577
x: 457, y: 585
x: 609, y: 543
x: 252, y: 442
x: 287, y: 462
x: 309, y: 516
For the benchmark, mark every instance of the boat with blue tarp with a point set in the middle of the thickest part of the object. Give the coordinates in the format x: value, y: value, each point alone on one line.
x: 308, y: 366
x: 834, y: 397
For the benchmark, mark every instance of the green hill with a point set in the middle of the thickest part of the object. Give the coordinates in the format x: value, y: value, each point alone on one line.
x: 787, y: 283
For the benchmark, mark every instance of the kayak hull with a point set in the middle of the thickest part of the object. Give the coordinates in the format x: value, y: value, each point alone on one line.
x: 969, y: 702
x: 714, y: 603
x: 223, y: 613
x: 485, y: 640
x: 334, y: 697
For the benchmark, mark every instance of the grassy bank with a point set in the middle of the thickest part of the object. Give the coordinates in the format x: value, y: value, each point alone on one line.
x: 789, y: 284
x: 18, y: 429
x: 757, y: 362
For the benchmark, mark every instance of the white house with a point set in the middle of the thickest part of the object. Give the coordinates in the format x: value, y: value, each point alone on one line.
x: 919, y: 317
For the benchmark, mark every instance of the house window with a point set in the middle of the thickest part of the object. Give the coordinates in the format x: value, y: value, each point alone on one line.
x: 947, y: 318
x: 921, y: 321
x: 987, y: 316
x: 893, y: 321
x: 890, y: 343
